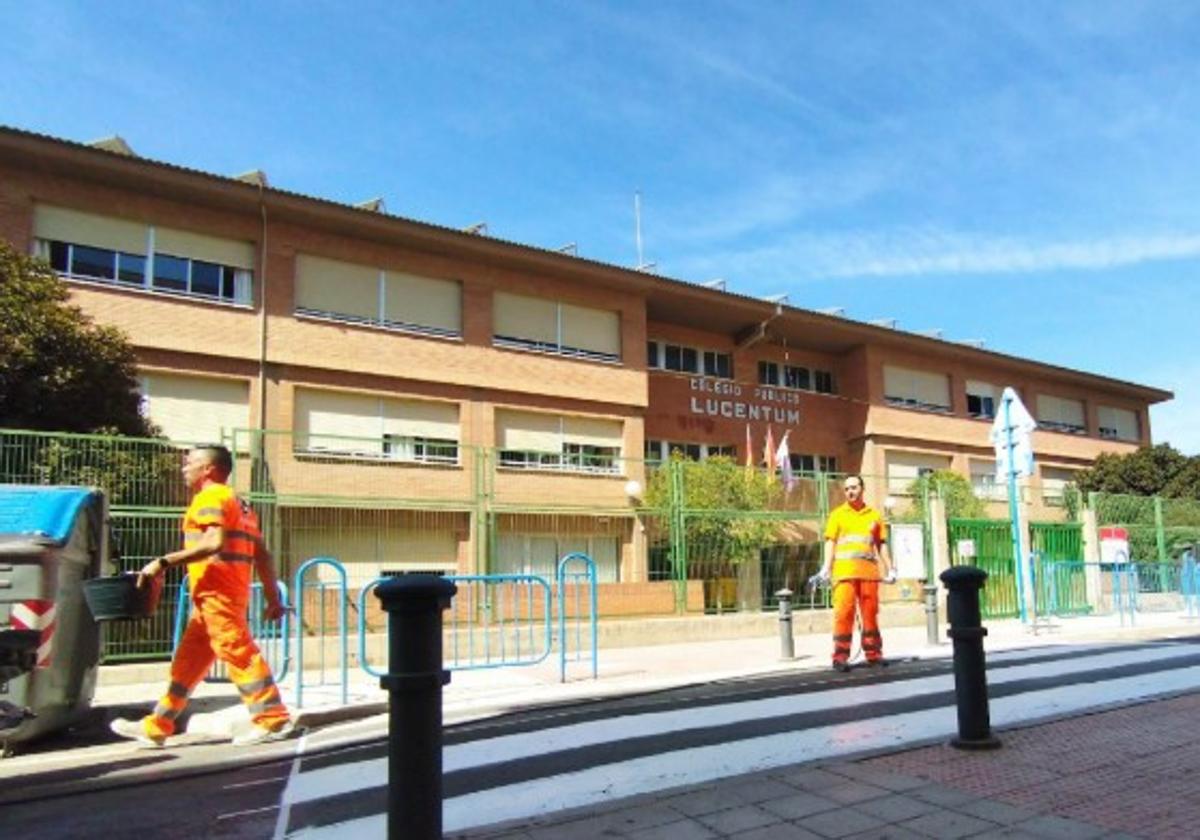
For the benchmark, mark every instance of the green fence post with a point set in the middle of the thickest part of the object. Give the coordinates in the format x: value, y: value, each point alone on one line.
x: 1160, y: 539
x: 677, y: 528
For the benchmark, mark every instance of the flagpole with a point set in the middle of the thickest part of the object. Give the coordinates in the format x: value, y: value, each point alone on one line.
x: 1018, y: 561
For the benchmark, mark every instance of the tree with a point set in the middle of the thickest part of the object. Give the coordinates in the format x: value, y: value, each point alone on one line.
x: 1150, y: 471
x: 59, y: 371
x: 954, y: 490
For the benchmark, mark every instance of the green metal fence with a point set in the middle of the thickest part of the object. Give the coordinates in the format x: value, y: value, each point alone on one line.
x: 987, y: 544
x: 1060, y: 583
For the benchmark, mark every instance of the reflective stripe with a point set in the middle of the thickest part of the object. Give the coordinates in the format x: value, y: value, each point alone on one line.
x: 870, y: 634
x: 244, y: 535
x: 840, y: 638
x: 166, y: 712
x: 265, y: 705
x: 855, y: 555
x: 178, y: 690
x: 209, y: 511
x: 256, y: 686
x: 236, y: 557
x: 859, y: 537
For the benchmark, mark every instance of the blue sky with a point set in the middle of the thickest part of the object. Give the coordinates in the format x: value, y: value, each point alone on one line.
x: 1026, y: 173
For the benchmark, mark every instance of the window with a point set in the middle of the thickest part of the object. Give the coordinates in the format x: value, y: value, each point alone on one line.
x: 718, y: 364
x: 195, y: 409
x: 547, y: 326
x: 903, y: 468
x: 797, y: 377
x: 663, y: 355
x: 1060, y: 415
x: 83, y: 246
x: 825, y: 384
x: 916, y: 389
x: 813, y: 463
x: 529, y: 440
x: 658, y: 451
x: 984, y: 483
x: 1118, y: 424
x: 356, y: 425
x: 768, y: 373
x: 363, y: 294
x: 1054, y: 484
x: 981, y: 399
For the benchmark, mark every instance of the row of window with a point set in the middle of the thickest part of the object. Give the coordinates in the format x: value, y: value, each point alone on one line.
x: 793, y: 376
x: 905, y: 468
x: 663, y: 355
x: 929, y: 391
x: 658, y: 451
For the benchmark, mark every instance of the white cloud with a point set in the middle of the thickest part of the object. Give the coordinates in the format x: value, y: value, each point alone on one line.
x: 921, y: 251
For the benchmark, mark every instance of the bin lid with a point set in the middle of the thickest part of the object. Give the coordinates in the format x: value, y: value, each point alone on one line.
x: 47, y: 512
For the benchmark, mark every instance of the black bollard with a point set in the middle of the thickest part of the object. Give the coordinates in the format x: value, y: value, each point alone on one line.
x: 414, y: 604
x: 787, y: 645
x: 970, y: 669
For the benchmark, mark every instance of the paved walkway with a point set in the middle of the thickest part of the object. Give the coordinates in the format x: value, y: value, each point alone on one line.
x: 1128, y: 772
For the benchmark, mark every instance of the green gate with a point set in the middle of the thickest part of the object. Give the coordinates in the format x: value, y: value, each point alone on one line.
x: 987, y: 544
x: 1060, y: 585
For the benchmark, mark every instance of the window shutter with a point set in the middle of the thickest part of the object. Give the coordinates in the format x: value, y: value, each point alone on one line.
x: 339, y: 422
x: 337, y: 288
x: 75, y: 226
x: 596, y: 330
x: 421, y: 419
x: 194, y: 409
x: 593, y: 431
x: 197, y: 246
x: 423, y: 301
x: 529, y: 318
x: 528, y: 432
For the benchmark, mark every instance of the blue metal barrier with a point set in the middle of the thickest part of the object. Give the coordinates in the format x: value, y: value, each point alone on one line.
x: 578, y: 579
x: 321, y: 589
x: 1189, y: 584
x: 272, y: 637
x: 1125, y: 589
x: 494, y: 621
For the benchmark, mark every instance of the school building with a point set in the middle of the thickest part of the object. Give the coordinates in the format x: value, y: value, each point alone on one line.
x: 413, y: 396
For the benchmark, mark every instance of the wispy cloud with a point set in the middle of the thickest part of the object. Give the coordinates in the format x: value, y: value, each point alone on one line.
x: 915, y: 252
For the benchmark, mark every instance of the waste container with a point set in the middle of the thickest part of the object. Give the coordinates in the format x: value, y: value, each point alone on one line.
x: 51, y: 540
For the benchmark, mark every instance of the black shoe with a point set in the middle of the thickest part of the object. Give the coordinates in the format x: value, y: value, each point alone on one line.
x: 878, y: 663
x: 842, y: 667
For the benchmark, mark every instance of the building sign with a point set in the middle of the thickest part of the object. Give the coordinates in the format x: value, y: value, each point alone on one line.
x: 1114, y: 546
x: 722, y: 398
x: 908, y: 550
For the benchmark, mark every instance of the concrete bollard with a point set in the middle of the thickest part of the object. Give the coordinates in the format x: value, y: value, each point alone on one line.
x: 414, y: 605
x: 970, y: 668
x: 931, y: 616
x: 787, y: 645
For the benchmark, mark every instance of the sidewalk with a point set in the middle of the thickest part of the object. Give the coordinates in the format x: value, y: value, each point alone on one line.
x: 1128, y: 772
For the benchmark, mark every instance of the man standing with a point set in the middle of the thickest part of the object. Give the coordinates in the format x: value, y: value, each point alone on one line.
x: 856, y: 559
x: 221, y: 542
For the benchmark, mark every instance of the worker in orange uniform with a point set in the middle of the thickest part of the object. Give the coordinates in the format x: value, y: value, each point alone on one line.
x: 856, y: 560
x: 222, y: 541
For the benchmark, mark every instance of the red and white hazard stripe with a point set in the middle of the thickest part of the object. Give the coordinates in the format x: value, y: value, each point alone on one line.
x: 36, y: 615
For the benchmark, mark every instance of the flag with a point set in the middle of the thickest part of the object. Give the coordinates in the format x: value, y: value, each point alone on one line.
x: 749, y: 453
x: 784, y: 459
x: 769, y: 451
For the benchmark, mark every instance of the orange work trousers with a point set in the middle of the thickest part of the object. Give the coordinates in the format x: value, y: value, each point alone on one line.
x: 847, y: 596
x: 218, y: 629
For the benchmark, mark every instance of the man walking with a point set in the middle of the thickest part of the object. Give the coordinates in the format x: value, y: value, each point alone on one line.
x: 221, y: 542
x: 856, y: 559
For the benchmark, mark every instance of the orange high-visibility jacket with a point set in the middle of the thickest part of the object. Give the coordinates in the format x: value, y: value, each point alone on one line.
x: 856, y: 534
x: 227, y: 574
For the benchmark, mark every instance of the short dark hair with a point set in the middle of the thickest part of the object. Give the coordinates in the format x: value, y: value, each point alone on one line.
x: 861, y: 484
x: 219, y: 456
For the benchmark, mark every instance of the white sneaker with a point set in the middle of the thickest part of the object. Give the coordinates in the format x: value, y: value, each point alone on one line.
x: 262, y: 735
x: 134, y: 731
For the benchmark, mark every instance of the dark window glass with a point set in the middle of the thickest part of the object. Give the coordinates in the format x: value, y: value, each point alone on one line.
x: 131, y: 268
x: 206, y: 278
x: 674, y: 354
x: 170, y: 273
x: 59, y: 252
x: 980, y: 406
x: 652, y: 354
x: 829, y: 463
x: 653, y: 450
x: 691, y: 360
x: 797, y: 377
x: 768, y: 373
x: 228, y: 287
x: 92, y: 262
x: 824, y: 382
x: 718, y: 364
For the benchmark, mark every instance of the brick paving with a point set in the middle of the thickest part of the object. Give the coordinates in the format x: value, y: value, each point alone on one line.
x: 1131, y: 772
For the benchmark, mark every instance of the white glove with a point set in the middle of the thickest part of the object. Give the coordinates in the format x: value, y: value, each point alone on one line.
x: 818, y: 580
x: 890, y: 577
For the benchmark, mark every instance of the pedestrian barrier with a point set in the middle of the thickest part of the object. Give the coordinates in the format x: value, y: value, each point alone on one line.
x: 272, y: 638
x: 1189, y: 584
x: 565, y: 577
x: 321, y: 589
x: 495, y: 621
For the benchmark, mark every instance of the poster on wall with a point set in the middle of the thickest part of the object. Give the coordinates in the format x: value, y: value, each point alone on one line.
x: 908, y: 550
